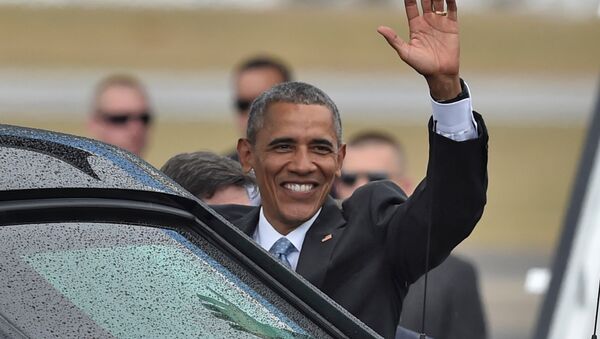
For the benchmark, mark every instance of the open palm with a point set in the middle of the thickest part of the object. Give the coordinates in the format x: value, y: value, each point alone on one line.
x: 433, y: 49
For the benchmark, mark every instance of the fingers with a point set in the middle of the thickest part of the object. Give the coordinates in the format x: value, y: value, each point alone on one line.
x: 394, y: 40
x: 412, y: 10
x: 452, y: 10
x: 426, y: 4
x: 429, y: 6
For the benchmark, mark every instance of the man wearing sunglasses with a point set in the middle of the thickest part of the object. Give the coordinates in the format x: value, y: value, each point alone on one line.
x: 121, y: 113
x: 372, y: 156
x: 252, y: 77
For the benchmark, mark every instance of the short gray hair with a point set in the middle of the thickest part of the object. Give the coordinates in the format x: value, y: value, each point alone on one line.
x: 293, y: 93
x: 204, y: 173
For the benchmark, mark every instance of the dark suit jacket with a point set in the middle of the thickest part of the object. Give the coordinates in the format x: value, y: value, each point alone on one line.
x: 379, y: 236
x: 454, y: 309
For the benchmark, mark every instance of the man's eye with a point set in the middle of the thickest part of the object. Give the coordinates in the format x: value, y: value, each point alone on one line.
x: 283, y: 148
x: 323, y: 149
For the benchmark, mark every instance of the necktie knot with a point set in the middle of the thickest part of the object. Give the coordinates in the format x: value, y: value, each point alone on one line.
x: 281, y: 249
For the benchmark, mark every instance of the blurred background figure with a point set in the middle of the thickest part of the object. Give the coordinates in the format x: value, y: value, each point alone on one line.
x: 121, y: 113
x: 252, y: 77
x: 215, y: 179
x: 454, y: 308
x: 372, y: 156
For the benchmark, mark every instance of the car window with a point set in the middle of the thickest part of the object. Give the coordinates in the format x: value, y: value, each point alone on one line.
x: 107, y: 280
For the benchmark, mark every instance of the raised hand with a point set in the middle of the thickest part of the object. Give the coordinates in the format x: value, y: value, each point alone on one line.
x: 433, y: 49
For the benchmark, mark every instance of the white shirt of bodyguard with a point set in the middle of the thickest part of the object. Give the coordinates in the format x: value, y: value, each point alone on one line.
x: 454, y: 121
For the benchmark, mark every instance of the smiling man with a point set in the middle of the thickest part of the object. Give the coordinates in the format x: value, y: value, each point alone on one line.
x: 365, y: 253
x: 295, y: 152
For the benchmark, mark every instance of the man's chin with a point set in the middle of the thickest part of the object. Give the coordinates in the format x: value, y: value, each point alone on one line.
x: 298, y: 217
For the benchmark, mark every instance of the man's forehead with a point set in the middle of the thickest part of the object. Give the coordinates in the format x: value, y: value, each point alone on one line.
x: 262, y: 72
x: 120, y: 90
x: 284, y: 117
x: 258, y: 80
x: 121, y: 96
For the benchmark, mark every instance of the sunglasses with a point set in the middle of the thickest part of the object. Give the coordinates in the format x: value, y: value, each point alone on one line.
x: 243, y: 105
x: 351, y: 178
x: 120, y: 119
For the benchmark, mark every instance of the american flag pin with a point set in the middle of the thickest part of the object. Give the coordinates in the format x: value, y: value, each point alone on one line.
x: 327, y: 237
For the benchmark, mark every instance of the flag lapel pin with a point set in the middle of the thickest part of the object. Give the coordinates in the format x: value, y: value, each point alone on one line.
x: 327, y: 237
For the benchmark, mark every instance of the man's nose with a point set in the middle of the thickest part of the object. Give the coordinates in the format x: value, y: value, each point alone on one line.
x: 302, y: 162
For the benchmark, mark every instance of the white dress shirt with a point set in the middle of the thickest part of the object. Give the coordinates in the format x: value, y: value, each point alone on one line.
x: 454, y: 121
x: 266, y: 235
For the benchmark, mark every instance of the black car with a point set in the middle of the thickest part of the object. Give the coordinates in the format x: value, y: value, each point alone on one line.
x: 96, y: 243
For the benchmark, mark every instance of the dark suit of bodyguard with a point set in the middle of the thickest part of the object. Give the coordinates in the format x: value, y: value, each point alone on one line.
x: 366, y: 253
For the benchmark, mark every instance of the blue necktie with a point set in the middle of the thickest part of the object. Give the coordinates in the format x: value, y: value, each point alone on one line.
x: 281, y: 249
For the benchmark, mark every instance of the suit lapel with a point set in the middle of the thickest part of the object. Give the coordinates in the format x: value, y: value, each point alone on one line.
x: 319, y: 243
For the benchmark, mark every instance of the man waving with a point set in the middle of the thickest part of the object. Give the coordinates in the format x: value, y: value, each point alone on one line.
x: 365, y: 253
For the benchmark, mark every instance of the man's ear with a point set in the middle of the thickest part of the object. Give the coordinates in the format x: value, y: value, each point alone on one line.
x: 244, y: 149
x: 341, y: 155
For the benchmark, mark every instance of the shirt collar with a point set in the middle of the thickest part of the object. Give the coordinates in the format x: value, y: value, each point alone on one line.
x: 266, y: 235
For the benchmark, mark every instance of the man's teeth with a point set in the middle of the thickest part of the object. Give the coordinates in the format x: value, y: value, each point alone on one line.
x: 299, y: 188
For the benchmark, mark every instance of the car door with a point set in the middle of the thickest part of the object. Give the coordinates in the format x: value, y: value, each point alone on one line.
x: 94, y: 242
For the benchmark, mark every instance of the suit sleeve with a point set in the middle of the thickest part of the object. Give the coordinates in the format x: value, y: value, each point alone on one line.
x: 451, y: 198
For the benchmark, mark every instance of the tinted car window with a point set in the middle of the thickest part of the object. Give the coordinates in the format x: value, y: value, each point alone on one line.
x: 107, y: 280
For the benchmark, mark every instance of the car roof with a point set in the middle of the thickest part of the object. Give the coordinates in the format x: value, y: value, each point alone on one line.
x: 34, y: 158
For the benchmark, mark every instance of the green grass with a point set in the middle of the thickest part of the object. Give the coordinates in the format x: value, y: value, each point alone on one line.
x: 323, y: 38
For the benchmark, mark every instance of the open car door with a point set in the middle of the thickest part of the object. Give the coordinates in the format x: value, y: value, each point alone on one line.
x: 94, y: 242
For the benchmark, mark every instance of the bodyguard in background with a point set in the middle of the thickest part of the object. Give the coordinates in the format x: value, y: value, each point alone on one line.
x: 213, y: 178
x: 251, y: 78
x: 121, y: 113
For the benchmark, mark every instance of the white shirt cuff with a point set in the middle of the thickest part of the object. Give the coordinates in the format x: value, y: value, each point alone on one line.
x: 455, y: 120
